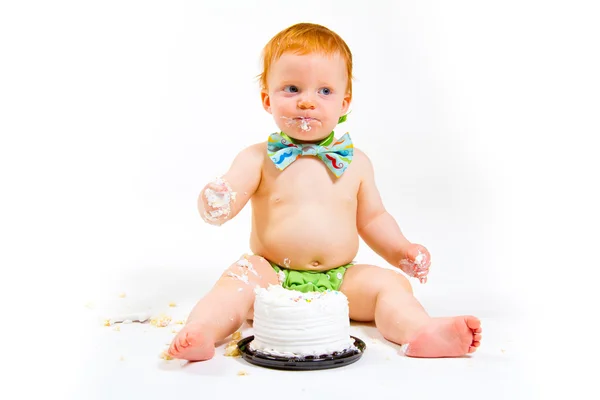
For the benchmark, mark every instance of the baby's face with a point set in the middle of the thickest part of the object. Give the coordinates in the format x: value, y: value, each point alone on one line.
x: 307, y: 94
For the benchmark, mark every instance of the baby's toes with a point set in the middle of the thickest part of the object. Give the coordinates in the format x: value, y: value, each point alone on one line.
x: 473, y: 323
x: 477, y: 337
x: 173, y: 349
x: 179, y: 344
x: 184, y: 341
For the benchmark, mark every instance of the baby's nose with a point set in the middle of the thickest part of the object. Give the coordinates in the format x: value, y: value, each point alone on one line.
x: 306, y: 105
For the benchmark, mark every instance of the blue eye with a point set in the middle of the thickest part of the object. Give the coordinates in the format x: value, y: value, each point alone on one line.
x: 325, y: 91
x: 290, y: 89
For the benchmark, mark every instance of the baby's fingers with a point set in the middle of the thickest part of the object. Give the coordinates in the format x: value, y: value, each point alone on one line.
x: 217, y: 187
x: 409, y: 267
x: 412, y: 269
x: 422, y: 275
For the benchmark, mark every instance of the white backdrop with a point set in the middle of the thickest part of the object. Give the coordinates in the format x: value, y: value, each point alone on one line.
x: 478, y: 116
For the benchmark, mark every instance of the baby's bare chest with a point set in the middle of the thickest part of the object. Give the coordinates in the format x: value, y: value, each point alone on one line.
x: 308, y: 180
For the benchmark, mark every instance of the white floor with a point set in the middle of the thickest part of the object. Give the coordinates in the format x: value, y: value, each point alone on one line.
x: 126, y: 363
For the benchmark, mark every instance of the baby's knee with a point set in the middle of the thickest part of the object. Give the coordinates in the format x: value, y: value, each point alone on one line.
x: 248, y: 268
x: 396, y: 279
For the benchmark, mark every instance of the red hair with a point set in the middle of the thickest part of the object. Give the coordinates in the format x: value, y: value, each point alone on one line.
x: 305, y: 38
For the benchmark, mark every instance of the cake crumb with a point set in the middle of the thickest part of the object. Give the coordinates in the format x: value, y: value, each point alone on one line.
x: 232, y: 350
x: 89, y: 305
x: 117, y: 328
x: 242, y: 373
x: 165, y: 355
x: 503, y: 350
x: 160, y: 321
x: 180, y: 322
x: 121, y: 358
x: 174, y: 330
x: 122, y: 295
x: 172, y: 304
x: 107, y: 322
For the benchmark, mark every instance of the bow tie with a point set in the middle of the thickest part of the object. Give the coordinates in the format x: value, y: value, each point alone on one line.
x: 336, y: 156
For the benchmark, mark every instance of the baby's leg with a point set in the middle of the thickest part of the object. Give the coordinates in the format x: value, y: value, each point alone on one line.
x: 385, y: 296
x: 223, y: 309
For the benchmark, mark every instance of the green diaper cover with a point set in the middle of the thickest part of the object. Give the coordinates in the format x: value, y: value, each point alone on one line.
x: 312, y: 281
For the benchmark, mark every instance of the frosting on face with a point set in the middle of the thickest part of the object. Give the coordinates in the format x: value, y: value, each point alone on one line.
x: 300, y: 122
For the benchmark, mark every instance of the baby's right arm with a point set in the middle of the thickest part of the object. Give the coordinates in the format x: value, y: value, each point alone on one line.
x: 223, y: 198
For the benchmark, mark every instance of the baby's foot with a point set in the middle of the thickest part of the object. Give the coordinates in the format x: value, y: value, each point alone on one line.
x: 446, y: 337
x: 193, y: 344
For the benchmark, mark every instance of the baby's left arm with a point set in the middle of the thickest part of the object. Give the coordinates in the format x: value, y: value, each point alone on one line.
x: 379, y: 229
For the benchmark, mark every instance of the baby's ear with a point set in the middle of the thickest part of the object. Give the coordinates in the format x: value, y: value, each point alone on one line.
x: 266, y: 100
x: 346, y: 103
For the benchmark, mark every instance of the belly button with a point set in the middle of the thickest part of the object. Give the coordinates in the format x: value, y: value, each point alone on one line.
x: 315, y: 263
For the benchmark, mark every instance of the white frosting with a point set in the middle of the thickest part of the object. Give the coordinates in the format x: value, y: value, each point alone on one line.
x: 244, y: 263
x: 291, y: 323
x: 304, y: 125
x: 128, y: 318
x: 243, y: 278
x: 220, y: 201
x: 301, y: 122
x: 419, y: 258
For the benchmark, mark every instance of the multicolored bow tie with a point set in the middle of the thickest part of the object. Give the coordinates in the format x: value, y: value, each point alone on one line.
x: 336, y: 156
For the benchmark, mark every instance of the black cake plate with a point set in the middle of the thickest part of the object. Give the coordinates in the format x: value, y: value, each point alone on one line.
x: 324, y: 361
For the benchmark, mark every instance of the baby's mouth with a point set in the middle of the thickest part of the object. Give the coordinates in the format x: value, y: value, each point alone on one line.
x: 302, y: 122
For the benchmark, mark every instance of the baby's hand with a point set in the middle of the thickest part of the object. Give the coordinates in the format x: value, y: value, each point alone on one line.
x: 217, y: 199
x: 417, y: 262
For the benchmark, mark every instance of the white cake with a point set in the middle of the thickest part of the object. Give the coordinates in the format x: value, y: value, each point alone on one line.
x: 296, y: 324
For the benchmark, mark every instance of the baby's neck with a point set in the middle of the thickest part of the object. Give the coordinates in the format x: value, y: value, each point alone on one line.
x: 323, y: 141
x: 307, y: 141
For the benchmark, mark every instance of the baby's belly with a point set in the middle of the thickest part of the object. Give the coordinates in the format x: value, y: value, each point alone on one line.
x: 304, y: 238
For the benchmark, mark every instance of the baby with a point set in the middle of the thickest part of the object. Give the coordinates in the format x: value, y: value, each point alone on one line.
x: 312, y: 196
